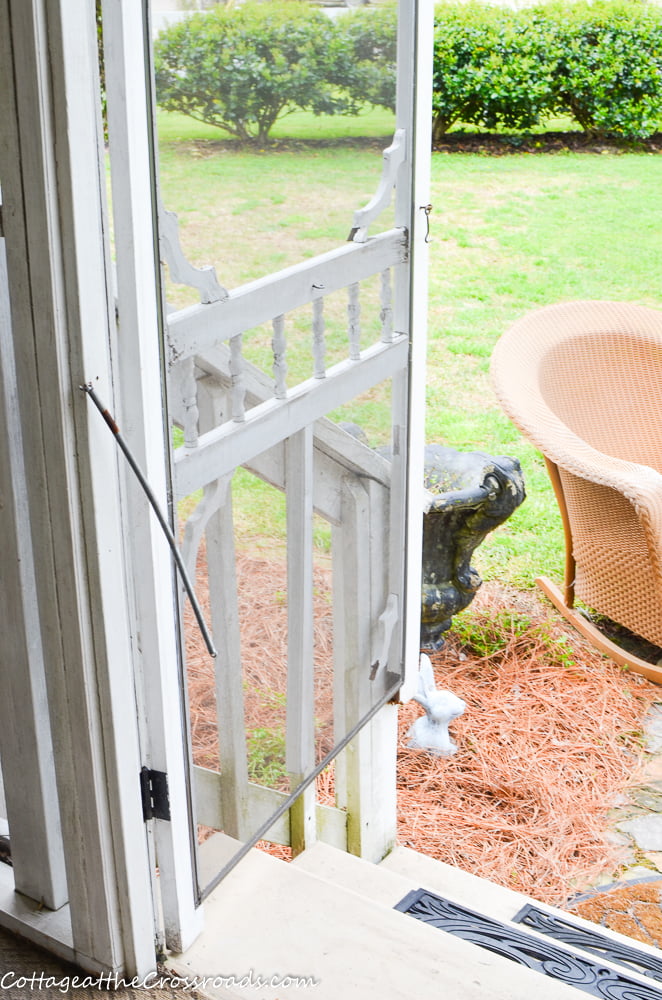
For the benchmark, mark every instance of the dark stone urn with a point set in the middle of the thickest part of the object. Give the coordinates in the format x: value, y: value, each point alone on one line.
x: 472, y: 494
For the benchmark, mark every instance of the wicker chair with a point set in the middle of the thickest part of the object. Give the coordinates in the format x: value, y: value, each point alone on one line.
x: 583, y: 382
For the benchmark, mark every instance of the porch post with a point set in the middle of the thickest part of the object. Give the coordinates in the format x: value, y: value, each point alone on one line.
x: 53, y: 181
x: 26, y: 748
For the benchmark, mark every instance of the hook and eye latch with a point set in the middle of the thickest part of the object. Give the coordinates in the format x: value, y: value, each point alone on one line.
x: 427, y: 209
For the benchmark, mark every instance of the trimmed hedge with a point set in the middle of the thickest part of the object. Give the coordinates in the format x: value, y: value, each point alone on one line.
x: 599, y: 62
x: 608, y: 71
x: 243, y: 68
x: 491, y: 68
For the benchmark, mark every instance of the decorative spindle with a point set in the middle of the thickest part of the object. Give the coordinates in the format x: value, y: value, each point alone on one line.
x: 278, y: 347
x: 319, y: 343
x: 238, y: 391
x: 386, y: 312
x: 354, y: 321
x: 190, y: 404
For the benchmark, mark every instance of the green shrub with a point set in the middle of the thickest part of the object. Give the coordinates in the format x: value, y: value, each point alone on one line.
x: 608, y: 74
x: 370, y: 34
x: 491, y: 67
x: 243, y: 68
x: 599, y: 61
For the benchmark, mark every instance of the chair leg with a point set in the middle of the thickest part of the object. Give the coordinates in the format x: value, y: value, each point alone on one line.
x: 595, y: 637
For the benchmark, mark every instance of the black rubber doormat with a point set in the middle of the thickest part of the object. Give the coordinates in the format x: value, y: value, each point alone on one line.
x: 547, y: 957
x: 594, y: 941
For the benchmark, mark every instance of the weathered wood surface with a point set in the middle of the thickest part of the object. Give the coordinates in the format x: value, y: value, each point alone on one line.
x: 281, y: 434
x: 182, y: 272
x: 300, y: 706
x: 140, y: 411
x: 393, y: 158
x: 262, y: 802
x: 26, y: 748
x: 329, y: 439
x: 61, y: 308
x: 193, y: 329
x: 226, y: 447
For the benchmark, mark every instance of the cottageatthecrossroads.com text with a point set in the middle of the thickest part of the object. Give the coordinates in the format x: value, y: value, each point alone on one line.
x: 153, y: 981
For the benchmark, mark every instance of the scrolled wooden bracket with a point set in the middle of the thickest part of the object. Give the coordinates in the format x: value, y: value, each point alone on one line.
x: 394, y: 157
x: 181, y: 270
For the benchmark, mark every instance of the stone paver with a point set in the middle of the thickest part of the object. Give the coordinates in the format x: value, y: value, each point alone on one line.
x: 646, y: 831
x: 635, y: 821
x: 653, y: 729
x: 648, y: 797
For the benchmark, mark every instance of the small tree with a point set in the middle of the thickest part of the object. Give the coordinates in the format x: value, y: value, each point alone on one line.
x: 372, y: 38
x: 243, y: 68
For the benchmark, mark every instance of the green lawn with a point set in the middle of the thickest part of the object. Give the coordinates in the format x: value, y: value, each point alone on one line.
x: 509, y: 234
x: 512, y: 234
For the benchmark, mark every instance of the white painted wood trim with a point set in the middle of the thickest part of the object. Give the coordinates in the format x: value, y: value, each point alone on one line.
x: 61, y: 303
x: 224, y: 606
x: 393, y: 157
x: 351, y: 645
x: 368, y: 588
x: 421, y: 46
x: 50, y: 930
x: 182, y: 272
x: 230, y: 445
x: 329, y: 439
x: 371, y: 785
x: 300, y: 689
x: 331, y: 823
x: 26, y: 748
x: 365, y: 771
x: 193, y: 329
x: 300, y: 725
x: 161, y: 694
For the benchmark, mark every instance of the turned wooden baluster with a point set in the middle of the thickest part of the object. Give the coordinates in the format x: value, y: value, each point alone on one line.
x: 278, y: 346
x: 386, y: 311
x: 319, y: 342
x: 354, y: 321
x: 237, y: 378
x: 190, y: 404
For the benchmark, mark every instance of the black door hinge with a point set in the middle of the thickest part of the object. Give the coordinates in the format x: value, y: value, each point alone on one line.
x: 154, y: 792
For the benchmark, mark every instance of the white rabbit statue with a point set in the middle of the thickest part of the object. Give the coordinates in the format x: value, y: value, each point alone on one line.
x: 430, y: 732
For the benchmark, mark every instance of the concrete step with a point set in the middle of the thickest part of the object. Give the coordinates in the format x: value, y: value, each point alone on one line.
x: 336, y: 924
x: 404, y: 871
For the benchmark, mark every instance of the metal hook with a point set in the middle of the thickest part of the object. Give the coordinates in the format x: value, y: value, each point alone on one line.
x: 427, y: 209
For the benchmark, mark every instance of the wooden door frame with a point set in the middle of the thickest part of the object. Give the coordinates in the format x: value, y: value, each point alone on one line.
x: 62, y: 334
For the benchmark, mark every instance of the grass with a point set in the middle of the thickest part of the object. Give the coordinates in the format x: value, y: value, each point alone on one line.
x: 375, y: 123
x: 512, y: 234
x: 509, y: 234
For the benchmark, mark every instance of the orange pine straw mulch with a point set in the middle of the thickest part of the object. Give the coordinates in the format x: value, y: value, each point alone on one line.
x: 262, y: 588
x: 546, y: 745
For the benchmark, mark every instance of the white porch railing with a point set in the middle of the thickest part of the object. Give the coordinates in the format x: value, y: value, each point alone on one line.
x: 233, y: 414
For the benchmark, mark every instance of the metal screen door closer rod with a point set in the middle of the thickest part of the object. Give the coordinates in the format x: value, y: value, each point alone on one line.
x: 165, y: 527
